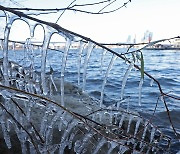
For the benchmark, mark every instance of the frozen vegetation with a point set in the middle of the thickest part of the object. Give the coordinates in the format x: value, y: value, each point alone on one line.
x: 40, y: 113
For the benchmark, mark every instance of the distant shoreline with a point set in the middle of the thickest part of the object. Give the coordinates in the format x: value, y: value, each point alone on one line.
x: 165, y: 48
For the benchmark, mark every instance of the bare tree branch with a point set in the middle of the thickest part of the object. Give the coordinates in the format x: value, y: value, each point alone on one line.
x: 106, y: 6
x: 64, y: 11
x: 72, y: 8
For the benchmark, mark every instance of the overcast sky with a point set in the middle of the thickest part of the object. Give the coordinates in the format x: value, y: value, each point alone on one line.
x: 158, y: 16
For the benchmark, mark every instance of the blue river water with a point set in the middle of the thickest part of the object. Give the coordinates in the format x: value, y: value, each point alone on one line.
x: 163, y: 65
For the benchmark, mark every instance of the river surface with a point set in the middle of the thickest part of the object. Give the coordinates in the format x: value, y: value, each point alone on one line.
x: 163, y: 65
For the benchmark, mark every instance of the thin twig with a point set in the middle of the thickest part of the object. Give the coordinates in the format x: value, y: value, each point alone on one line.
x: 64, y: 11
x: 106, y: 6
x: 76, y: 10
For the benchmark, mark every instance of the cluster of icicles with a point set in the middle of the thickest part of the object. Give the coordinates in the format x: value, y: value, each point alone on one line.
x: 126, y: 132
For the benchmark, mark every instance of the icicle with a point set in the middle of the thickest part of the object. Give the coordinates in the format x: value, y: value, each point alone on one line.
x: 62, y: 121
x: 149, y: 148
x: 121, y: 121
x: 28, y: 114
x: 15, y: 111
x: 105, y: 78
x: 153, y: 149
x: 44, y: 123
x: 120, y: 102
x: 62, y: 147
x: 6, y: 94
x: 113, y: 145
x: 10, y: 18
x: 151, y: 83
x: 128, y: 101
x: 23, y: 148
x: 135, y: 152
x: 116, y: 118
x: 84, y: 142
x: 68, y: 43
x: 145, y: 129
x: 134, y: 147
x: 144, y: 133
x: 37, y: 86
x: 67, y: 131
x: 125, y: 79
x: 99, y: 145
x: 8, y: 123
x: 47, y: 37
x: 140, y: 90
x: 5, y: 131
x: 30, y: 54
x: 42, y: 149
x: 77, y: 145
x: 99, y: 115
x: 53, y: 83
x: 122, y: 149
x: 13, y: 46
x: 102, y: 59
x: 111, y: 117
x: 137, y: 126
x: 129, y: 123
x: 153, y: 130
x: 5, y: 54
x: 32, y: 28
x: 29, y: 86
x: 51, y: 126
x: 79, y: 60
x: 71, y: 138
x: 32, y: 149
x: 52, y: 148
x: 1, y: 44
x: 89, y: 50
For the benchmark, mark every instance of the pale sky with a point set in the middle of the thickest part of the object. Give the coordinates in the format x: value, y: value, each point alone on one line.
x: 158, y: 16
